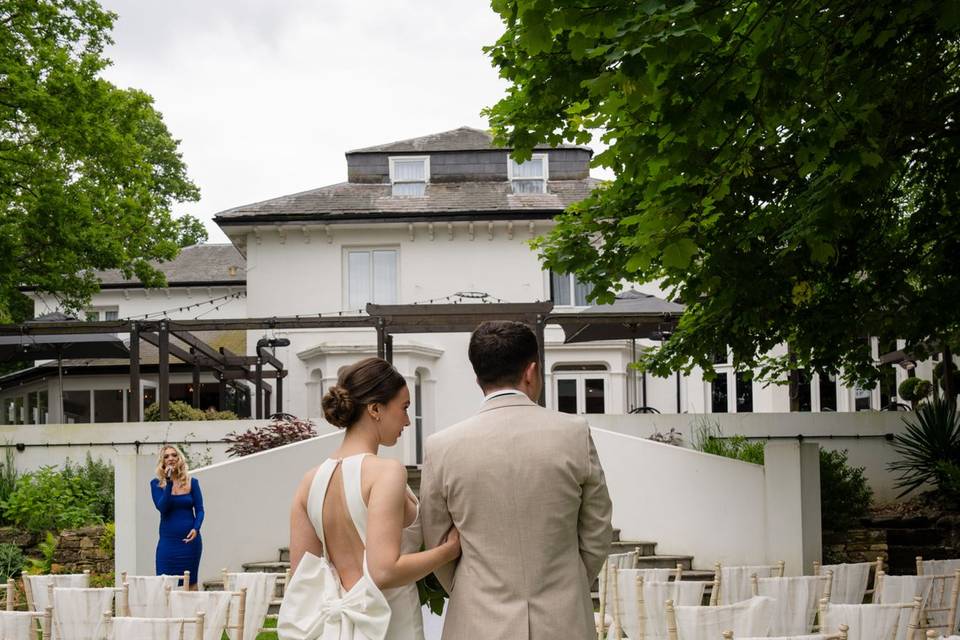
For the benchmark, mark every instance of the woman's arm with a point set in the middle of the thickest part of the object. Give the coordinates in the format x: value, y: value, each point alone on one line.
x: 385, y: 509
x: 161, y: 497
x: 197, y: 504
x: 303, y: 537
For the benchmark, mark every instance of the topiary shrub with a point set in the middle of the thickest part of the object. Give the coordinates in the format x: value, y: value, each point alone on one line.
x: 914, y: 390
x: 50, y: 500
x: 11, y: 561
x: 845, y: 496
x: 178, y: 412
x: 283, y: 429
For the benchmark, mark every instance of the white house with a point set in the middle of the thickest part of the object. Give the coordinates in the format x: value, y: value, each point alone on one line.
x: 418, y: 220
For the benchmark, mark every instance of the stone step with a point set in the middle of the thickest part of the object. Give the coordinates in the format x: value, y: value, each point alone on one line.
x: 626, y: 546
x: 665, y: 562
x: 284, y: 554
x: 279, y: 566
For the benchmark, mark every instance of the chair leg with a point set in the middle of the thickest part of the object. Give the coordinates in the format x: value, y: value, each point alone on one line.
x: 671, y: 621
x: 914, y: 624
x: 242, y: 611
x: 615, y: 580
x: 46, y: 626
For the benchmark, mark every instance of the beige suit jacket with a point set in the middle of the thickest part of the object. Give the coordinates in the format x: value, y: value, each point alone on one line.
x: 525, y: 488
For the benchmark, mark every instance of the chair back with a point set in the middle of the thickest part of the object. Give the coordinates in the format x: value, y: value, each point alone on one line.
x: 751, y: 617
x: 796, y: 600
x: 127, y: 628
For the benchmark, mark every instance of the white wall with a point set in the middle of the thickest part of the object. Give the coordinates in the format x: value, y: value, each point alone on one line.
x: 862, y: 434
x: 47, y: 444
x: 247, y: 502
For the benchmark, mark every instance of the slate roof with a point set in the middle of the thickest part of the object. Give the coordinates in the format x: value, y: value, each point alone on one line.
x: 196, y: 265
x: 460, y: 139
x: 351, y: 200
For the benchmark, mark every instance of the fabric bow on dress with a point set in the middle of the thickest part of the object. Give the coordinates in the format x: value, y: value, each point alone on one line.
x: 315, y: 607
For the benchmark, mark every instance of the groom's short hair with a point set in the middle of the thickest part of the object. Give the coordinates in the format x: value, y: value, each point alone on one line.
x: 500, y: 350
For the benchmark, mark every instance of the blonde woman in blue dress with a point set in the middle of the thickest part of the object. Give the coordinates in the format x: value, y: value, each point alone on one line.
x: 354, y: 518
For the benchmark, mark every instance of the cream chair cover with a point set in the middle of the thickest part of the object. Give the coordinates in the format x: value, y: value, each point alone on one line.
x: 214, y: 604
x: 655, y: 596
x: 866, y: 621
x: 261, y: 588
x: 148, y: 595
x: 809, y: 636
x: 749, y: 618
x: 903, y: 589
x: 940, y: 567
x: 656, y: 575
x: 796, y: 601
x: 78, y: 613
x: 849, y: 581
x: 149, y: 629
x: 17, y: 625
x: 735, y: 582
x: 39, y: 584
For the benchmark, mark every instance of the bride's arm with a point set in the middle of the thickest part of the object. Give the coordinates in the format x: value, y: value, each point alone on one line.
x: 385, y: 509
x: 303, y: 537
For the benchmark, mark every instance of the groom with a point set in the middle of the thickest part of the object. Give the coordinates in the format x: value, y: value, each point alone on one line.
x: 525, y: 488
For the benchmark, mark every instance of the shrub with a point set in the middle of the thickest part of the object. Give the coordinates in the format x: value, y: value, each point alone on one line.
x: 178, y: 412
x: 844, y: 494
x: 11, y: 561
x: 708, y: 438
x: 109, y: 537
x: 283, y: 429
x: 43, y: 564
x: 102, y: 580
x: 932, y: 437
x: 914, y: 390
x: 672, y: 437
x: 97, y: 476
x: 8, y: 475
x: 211, y: 414
x: 50, y: 500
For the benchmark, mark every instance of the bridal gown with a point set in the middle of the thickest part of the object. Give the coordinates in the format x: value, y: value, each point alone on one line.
x: 351, y: 607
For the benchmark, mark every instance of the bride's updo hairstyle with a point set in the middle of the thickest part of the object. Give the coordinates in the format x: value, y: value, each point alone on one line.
x: 363, y: 383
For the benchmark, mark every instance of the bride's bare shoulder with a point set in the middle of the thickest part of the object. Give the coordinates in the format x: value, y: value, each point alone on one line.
x: 379, y: 469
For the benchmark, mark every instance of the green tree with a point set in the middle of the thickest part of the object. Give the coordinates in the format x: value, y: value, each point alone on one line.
x: 89, y: 172
x: 788, y: 170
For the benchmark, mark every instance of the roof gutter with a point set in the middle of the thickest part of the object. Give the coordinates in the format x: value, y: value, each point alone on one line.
x: 376, y: 218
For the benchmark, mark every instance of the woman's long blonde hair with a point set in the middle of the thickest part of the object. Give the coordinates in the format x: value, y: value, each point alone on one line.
x: 180, y: 472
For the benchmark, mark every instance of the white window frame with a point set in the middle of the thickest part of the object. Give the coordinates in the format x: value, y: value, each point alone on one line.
x: 558, y: 373
x: 572, y: 290
x: 511, y: 163
x: 101, y: 312
x: 726, y: 369
x: 426, y: 172
x: 346, y: 269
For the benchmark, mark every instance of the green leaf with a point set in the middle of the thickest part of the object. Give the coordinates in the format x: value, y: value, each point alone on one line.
x: 678, y: 254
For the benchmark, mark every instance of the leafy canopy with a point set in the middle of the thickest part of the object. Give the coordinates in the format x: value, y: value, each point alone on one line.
x: 788, y: 170
x: 89, y: 172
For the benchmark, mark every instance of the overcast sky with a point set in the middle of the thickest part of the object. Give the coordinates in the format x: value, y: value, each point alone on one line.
x: 267, y: 95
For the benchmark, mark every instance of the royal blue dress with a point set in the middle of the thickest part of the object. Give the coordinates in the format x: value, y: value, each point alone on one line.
x: 178, y: 514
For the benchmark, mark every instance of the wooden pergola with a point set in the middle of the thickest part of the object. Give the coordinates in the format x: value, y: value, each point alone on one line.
x: 386, y: 320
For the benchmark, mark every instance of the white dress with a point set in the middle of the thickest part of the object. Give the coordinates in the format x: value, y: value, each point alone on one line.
x: 317, y: 606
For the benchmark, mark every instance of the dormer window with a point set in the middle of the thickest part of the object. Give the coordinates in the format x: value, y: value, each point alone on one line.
x: 409, y: 175
x: 530, y: 176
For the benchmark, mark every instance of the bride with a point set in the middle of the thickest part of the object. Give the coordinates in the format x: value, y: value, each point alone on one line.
x: 355, y: 534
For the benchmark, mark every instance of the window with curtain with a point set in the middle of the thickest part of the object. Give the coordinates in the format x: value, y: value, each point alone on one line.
x: 409, y: 176
x: 567, y: 290
x: 371, y: 277
x: 530, y: 176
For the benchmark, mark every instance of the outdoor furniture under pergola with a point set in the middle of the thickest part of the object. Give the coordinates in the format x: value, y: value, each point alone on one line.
x: 177, y: 337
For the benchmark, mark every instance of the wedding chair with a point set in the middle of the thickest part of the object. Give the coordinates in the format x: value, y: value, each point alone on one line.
x: 874, y: 621
x: 22, y: 625
x: 146, y: 596
x: 901, y: 589
x: 35, y: 588
x: 621, y: 561
x: 661, y: 575
x: 732, y: 584
x: 78, y: 611
x: 839, y: 635
x: 261, y: 590
x: 937, y: 567
x: 943, y: 601
x: 128, y: 628
x: 638, y: 604
x: 751, y: 617
x: 850, y: 580
x: 222, y: 615
x: 936, y: 636
x: 796, y: 601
